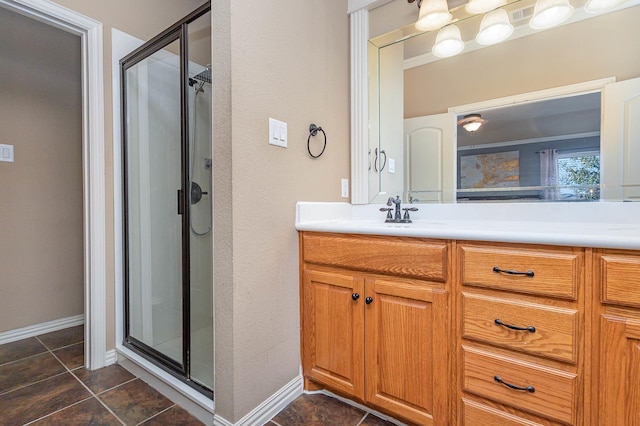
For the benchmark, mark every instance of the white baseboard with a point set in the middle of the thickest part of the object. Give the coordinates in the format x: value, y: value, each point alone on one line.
x: 111, y: 357
x: 38, y: 329
x: 269, y: 408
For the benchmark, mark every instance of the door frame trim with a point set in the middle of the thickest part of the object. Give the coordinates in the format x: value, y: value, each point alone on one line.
x: 93, y: 164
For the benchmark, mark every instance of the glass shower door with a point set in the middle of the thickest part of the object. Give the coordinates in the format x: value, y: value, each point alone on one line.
x: 168, y: 221
x: 153, y: 187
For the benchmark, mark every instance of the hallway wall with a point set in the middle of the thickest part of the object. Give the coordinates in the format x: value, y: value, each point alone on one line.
x: 41, y: 221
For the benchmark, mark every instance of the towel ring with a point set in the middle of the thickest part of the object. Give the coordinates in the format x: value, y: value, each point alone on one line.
x: 313, y: 130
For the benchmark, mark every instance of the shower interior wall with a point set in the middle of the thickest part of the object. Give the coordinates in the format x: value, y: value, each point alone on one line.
x: 201, y: 245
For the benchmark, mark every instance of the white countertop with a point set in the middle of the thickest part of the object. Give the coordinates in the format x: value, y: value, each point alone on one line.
x: 599, y: 224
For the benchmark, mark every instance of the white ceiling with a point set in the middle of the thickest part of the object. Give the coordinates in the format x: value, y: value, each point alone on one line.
x: 572, y: 115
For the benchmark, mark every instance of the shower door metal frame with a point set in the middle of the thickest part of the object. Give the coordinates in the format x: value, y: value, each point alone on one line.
x: 178, y: 31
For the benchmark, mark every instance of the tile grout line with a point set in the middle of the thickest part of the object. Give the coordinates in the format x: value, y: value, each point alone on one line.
x: 58, y: 410
x: 93, y: 395
x: 55, y: 349
x: 96, y: 396
x: 362, y: 419
x: 157, y: 414
x: 26, y: 357
x: 100, y: 401
x: 33, y: 383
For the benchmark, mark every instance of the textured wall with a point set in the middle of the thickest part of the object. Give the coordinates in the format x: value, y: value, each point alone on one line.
x: 290, y: 61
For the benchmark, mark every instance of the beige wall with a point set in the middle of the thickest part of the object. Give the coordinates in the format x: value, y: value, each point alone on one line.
x: 142, y: 19
x: 600, y: 47
x: 290, y: 61
x: 41, y: 255
x: 281, y: 59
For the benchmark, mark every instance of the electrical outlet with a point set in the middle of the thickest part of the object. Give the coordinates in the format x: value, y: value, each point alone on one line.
x: 345, y: 188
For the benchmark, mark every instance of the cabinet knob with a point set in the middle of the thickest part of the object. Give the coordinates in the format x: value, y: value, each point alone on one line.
x: 355, y: 296
x: 368, y: 300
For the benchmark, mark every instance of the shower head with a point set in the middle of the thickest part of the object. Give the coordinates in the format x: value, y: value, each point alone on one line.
x: 204, y: 76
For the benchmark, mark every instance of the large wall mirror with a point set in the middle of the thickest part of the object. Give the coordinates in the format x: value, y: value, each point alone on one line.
x: 556, y: 108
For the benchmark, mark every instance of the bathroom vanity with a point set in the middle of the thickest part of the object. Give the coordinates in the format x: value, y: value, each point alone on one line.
x: 488, y: 321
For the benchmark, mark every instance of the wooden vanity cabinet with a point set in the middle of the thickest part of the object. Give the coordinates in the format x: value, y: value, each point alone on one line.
x: 521, y: 323
x: 617, y: 348
x: 473, y: 333
x: 375, y: 324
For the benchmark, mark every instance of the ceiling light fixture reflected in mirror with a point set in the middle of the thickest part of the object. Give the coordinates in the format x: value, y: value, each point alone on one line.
x: 434, y: 14
x: 598, y: 6
x: 476, y: 7
x: 448, y: 42
x: 494, y: 27
x: 471, y: 122
x: 549, y: 13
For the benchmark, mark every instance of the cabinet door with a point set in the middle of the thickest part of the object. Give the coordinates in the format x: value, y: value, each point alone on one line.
x: 619, y: 371
x: 333, y: 331
x: 406, y: 350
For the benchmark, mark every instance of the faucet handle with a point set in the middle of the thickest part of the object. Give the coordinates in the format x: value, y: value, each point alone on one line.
x: 388, y: 210
x: 406, y: 217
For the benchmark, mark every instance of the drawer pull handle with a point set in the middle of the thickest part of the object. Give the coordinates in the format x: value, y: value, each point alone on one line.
x: 368, y: 300
x: 529, y: 389
x: 530, y: 329
x: 355, y: 296
x: 497, y: 270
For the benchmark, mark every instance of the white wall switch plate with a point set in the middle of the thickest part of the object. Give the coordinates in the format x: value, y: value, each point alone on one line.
x: 392, y: 165
x: 345, y: 188
x: 6, y: 153
x: 277, y: 133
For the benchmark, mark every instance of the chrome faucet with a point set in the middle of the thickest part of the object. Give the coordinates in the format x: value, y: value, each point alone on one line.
x: 397, y: 202
x: 397, y: 218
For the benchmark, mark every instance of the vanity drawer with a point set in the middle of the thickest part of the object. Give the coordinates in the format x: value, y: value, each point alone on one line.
x: 475, y: 414
x: 397, y: 256
x: 553, y: 334
x: 620, y: 278
x: 550, y: 272
x: 554, y: 392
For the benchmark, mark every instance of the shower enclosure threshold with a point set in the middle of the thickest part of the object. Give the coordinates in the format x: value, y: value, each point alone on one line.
x: 198, y: 404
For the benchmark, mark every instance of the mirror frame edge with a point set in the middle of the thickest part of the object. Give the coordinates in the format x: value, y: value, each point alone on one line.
x: 358, y: 11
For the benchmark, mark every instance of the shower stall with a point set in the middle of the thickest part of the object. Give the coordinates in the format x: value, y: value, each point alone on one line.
x: 167, y: 187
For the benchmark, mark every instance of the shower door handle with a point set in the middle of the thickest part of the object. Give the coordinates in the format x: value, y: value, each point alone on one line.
x: 180, y: 201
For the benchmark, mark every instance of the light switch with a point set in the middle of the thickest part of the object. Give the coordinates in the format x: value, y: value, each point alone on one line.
x: 6, y: 153
x: 277, y: 133
x: 392, y: 165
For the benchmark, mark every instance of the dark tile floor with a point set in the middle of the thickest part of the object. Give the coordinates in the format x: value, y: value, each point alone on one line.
x: 43, y: 382
x: 322, y: 410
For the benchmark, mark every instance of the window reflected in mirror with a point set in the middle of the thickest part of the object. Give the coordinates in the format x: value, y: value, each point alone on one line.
x: 547, y: 150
